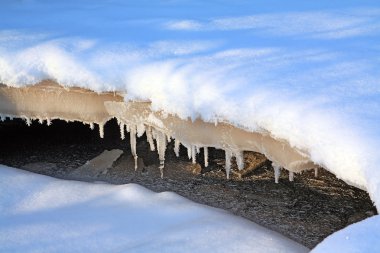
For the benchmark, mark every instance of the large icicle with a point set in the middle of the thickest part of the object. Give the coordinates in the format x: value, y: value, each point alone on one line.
x: 177, y: 143
x: 205, y: 153
x: 161, y: 148
x: 228, y: 163
x: 140, y: 130
x: 291, y: 176
x: 149, y: 138
x: 277, y: 173
x: 193, y: 154
x: 240, y: 160
x: 133, y: 144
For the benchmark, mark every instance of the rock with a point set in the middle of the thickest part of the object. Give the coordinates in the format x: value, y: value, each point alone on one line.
x: 97, y: 166
x: 40, y: 167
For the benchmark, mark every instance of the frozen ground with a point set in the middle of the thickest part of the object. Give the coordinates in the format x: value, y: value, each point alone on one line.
x: 43, y: 214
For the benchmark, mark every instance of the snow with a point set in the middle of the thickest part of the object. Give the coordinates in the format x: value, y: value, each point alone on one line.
x: 359, y: 237
x: 303, y: 71
x: 43, y: 214
x: 314, y: 84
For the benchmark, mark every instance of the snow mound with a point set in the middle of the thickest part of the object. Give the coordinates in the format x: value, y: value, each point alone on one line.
x: 359, y: 237
x: 42, y: 214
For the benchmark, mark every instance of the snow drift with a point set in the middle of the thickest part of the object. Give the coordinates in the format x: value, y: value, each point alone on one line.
x: 42, y: 214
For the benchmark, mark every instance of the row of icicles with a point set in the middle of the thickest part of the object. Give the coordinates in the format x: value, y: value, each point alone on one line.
x: 162, y: 140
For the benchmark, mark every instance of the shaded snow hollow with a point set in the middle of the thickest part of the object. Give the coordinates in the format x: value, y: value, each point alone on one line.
x: 43, y: 214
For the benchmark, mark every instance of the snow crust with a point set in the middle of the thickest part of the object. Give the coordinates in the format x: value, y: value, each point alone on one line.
x: 43, y: 214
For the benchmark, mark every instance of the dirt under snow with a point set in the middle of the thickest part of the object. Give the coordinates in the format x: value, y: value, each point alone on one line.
x: 305, y: 210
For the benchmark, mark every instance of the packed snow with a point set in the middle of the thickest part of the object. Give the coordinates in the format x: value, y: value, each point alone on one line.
x: 43, y: 214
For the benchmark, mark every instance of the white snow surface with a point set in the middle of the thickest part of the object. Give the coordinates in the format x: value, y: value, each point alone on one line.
x: 359, y: 237
x: 305, y: 71
x: 43, y: 214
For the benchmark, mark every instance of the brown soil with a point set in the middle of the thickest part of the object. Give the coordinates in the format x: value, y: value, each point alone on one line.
x: 306, y: 210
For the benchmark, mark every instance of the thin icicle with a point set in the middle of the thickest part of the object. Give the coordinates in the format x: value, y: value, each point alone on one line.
x: 48, y: 121
x: 277, y: 173
x: 291, y: 176
x: 177, y: 143
x: 92, y: 126
x: 205, y: 153
x: 101, y: 130
x: 240, y: 160
x: 316, y: 172
x: 198, y: 149
x: 189, y: 153
x: 161, y: 148
x: 28, y: 121
x: 193, y: 154
x: 122, y: 131
x: 149, y: 138
x: 127, y: 128
x: 228, y: 163
x: 133, y: 144
x: 40, y: 120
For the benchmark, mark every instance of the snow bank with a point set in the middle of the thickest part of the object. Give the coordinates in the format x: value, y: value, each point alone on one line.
x: 42, y: 214
x: 359, y: 237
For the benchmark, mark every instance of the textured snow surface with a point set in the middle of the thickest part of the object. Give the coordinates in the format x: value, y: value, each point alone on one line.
x: 43, y: 214
x: 359, y: 237
x: 305, y: 71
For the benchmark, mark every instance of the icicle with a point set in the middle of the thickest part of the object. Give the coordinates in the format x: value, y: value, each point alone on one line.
x: 161, y: 148
x: 28, y: 121
x: 122, y: 131
x: 240, y: 160
x: 316, y: 172
x: 189, y: 153
x: 127, y: 128
x: 205, y: 153
x: 149, y: 138
x: 176, y: 147
x: 277, y: 173
x: 92, y: 126
x: 228, y: 163
x: 193, y: 154
x: 133, y: 144
x: 140, y: 130
x: 48, y: 121
x: 198, y: 149
x: 101, y: 130
x: 40, y: 120
x: 291, y: 176
x: 169, y: 138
